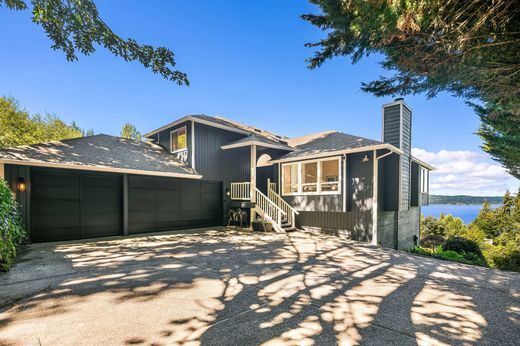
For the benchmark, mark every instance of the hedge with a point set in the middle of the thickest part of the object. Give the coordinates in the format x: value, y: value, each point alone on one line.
x: 12, y: 231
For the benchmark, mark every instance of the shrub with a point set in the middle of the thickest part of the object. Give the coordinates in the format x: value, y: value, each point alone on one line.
x: 12, y: 232
x: 505, y: 257
x: 432, y: 240
x: 462, y: 245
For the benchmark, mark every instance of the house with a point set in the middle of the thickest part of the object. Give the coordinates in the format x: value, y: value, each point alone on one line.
x: 191, y: 172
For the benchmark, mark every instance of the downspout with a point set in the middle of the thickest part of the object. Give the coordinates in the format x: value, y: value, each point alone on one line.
x: 344, y: 160
x: 375, y: 193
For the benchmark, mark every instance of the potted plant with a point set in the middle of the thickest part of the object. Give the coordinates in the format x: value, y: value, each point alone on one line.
x: 262, y: 225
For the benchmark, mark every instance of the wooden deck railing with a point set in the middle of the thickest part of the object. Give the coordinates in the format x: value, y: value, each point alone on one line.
x: 241, y: 191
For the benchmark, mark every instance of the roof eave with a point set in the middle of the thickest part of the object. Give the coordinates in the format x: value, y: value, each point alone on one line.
x: 196, y: 120
x: 341, y: 152
x: 257, y: 143
x: 100, y: 169
x: 423, y: 164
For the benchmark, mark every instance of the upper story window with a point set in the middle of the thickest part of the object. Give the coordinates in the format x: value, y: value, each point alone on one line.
x: 178, y: 140
x: 424, y: 180
x: 311, y: 177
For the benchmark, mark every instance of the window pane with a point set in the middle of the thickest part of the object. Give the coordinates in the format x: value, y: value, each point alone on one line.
x: 310, y: 177
x: 290, y: 178
x: 179, y: 139
x: 330, y: 175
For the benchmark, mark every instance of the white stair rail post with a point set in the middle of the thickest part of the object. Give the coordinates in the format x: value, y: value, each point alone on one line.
x: 252, y: 186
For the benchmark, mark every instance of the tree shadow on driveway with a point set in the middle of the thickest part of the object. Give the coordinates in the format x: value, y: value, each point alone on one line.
x: 227, y: 287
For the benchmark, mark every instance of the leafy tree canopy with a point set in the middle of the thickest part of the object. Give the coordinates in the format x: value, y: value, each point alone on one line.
x: 468, y: 48
x: 18, y: 127
x: 75, y: 26
x: 129, y: 131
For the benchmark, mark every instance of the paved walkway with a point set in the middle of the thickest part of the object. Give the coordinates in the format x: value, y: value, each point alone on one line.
x: 230, y: 288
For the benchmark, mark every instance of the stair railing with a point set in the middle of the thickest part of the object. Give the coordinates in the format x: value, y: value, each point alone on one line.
x: 269, y: 210
x: 282, y: 204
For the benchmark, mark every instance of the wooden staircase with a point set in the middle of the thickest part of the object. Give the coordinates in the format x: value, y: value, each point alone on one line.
x: 272, y: 207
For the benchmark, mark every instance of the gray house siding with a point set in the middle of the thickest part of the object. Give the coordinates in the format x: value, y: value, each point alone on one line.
x: 392, y: 125
x: 163, y: 138
x: 227, y: 166
x: 325, y: 212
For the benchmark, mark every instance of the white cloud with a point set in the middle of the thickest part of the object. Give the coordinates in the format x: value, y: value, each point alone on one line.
x: 466, y: 173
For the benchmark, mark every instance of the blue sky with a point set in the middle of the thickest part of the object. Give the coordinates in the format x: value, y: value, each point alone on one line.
x: 245, y: 61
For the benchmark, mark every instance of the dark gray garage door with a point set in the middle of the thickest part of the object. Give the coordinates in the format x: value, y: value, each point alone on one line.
x: 156, y: 203
x: 71, y: 205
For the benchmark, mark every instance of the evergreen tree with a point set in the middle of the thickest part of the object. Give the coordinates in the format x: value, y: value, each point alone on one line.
x: 486, y: 221
x: 129, y: 131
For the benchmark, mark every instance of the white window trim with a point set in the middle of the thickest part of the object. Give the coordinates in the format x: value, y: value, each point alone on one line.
x: 185, y: 128
x: 424, y: 180
x: 318, y: 181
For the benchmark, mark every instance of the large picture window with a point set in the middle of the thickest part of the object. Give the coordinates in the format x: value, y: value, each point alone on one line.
x: 179, y: 140
x: 290, y: 178
x: 311, y: 177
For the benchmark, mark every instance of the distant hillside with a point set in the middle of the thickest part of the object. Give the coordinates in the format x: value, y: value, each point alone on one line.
x: 440, y: 199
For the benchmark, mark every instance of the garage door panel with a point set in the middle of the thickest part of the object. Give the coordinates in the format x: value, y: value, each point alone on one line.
x: 169, y: 207
x: 168, y: 216
x: 167, y: 184
x: 55, y: 207
x: 190, y: 215
x: 56, y: 220
x: 168, y: 195
x: 141, y: 217
x: 101, y: 194
x: 56, y: 193
x: 100, y: 181
x: 73, y: 205
x: 141, y: 182
x: 141, y: 194
x: 190, y: 206
x: 57, y: 233
x: 41, y: 178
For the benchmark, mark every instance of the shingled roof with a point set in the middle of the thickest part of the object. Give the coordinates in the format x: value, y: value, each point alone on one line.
x: 101, y: 153
x: 258, y: 140
x: 326, y: 142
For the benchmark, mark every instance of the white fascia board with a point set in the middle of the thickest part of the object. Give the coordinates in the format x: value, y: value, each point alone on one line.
x: 248, y: 143
x: 341, y: 152
x: 100, y: 169
x: 197, y: 120
x: 423, y: 164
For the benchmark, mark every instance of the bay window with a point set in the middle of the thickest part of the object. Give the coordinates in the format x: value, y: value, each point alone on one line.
x: 311, y: 177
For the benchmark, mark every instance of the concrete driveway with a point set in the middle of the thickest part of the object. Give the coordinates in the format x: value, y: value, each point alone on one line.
x: 230, y: 288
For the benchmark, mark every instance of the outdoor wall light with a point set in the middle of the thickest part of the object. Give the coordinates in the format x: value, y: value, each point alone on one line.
x: 366, y: 159
x: 20, y: 185
x: 228, y: 193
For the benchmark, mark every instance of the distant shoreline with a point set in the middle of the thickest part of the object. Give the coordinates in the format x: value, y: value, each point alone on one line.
x: 464, y: 200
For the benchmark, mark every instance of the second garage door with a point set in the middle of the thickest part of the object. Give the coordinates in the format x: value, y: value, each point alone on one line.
x: 68, y: 205
x: 157, y: 203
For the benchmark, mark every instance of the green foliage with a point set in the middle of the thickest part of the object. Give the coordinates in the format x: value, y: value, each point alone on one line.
x: 129, y: 131
x: 431, y: 226
x: 470, y: 49
x: 17, y: 127
x: 75, y: 26
x: 492, y: 239
x: 462, y: 246
x: 12, y: 232
x: 505, y: 257
x: 432, y: 241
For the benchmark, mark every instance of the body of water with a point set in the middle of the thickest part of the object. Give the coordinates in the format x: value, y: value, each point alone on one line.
x: 467, y: 213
